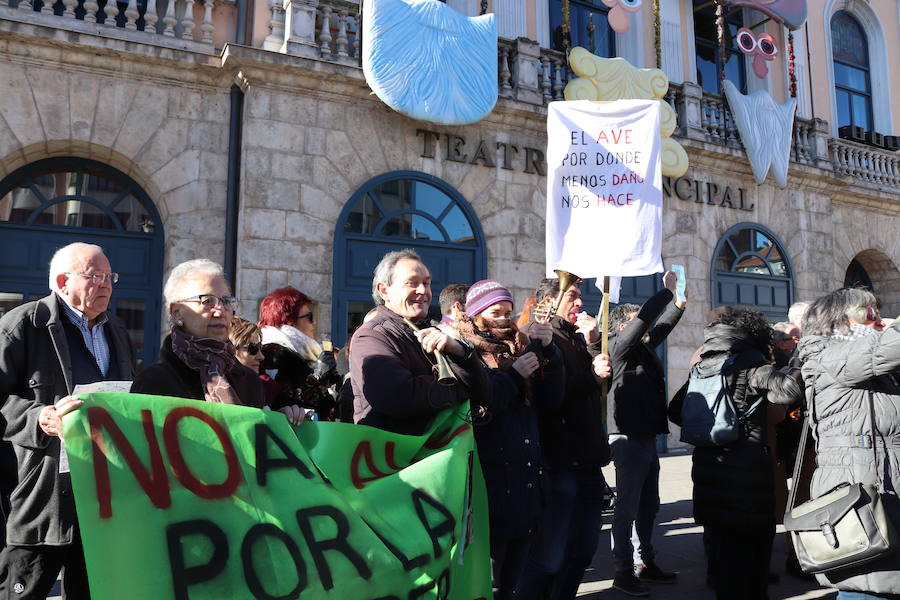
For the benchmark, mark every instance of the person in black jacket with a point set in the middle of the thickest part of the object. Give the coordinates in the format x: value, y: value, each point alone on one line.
x: 734, y: 494
x: 636, y: 414
x: 576, y: 448
x: 506, y: 426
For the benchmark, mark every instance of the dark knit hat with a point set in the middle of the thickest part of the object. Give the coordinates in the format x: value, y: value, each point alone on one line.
x: 483, y: 294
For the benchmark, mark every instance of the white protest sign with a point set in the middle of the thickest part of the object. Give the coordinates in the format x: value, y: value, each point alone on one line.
x: 604, y: 188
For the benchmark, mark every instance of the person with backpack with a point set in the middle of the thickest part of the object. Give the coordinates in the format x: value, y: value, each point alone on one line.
x: 734, y: 496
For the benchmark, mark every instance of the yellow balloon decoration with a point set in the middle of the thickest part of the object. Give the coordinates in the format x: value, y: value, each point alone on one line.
x: 616, y: 79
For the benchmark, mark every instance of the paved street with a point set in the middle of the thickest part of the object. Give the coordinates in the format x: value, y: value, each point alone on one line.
x: 679, y: 546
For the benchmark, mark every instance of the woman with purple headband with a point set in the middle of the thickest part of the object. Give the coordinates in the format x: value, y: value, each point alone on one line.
x: 506, y: 429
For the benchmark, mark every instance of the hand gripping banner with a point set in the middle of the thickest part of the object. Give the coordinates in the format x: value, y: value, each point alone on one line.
x: 193, y: 500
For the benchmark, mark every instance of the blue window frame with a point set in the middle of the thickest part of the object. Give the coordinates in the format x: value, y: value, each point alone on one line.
x: 750, y: 268
x: 402, y: 209
x: 588, y: 27
x: 707, y: 48
x: 852, y: 81
x: 53, y: 202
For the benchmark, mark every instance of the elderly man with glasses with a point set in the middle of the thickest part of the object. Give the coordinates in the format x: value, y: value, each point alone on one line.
x: 47, y: 347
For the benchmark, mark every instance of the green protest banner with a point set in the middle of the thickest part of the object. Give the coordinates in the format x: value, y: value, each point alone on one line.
x: 193, y: 500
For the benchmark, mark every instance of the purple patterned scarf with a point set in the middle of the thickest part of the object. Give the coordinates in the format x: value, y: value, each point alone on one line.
x: 212, y: 359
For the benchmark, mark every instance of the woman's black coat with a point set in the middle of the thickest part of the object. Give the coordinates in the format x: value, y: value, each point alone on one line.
x: 734, y: 484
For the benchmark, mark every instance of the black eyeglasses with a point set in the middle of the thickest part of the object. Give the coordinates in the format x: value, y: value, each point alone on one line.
x: 308, y: 315
x: 211, y: 301
x: 252, y: 348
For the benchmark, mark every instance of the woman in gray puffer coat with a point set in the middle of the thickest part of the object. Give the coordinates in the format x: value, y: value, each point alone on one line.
x: 848, y: 354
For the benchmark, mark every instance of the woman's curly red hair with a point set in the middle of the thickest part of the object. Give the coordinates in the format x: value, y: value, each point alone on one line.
x: 282, y: 307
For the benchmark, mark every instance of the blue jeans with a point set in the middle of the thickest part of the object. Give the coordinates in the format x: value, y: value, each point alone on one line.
x: 566, y: 539
x: 637, y: 499
x: 861, y: 596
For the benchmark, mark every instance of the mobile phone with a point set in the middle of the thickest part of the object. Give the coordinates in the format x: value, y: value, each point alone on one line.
x: 680, y: 286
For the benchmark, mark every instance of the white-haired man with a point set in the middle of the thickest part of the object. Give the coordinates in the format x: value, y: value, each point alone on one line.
x: 47, y: 347
x: 394, y: 384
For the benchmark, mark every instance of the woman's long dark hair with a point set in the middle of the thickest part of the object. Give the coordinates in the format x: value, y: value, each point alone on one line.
x: 752, y: 322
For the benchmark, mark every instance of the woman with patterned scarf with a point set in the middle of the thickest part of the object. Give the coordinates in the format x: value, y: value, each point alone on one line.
x: 197, y: 359
x: 851, y: 367
x: 506, y: 429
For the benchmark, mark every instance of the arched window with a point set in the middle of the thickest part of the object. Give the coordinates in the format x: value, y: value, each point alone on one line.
x: 857, y: 276
x: 852, y: 81
x: 750, y: 268
x: 402, y: 209
x: 53, y: 202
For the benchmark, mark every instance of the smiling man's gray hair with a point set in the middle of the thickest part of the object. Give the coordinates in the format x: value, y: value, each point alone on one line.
x: 384, y: 272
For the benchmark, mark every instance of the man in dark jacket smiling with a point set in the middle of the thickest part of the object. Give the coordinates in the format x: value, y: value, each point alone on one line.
x: 394, y: 384
x: 636, y: 407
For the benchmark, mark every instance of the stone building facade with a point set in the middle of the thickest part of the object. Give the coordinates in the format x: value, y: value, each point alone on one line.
x: 250, y: 153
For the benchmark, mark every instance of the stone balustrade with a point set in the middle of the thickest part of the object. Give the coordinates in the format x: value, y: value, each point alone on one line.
x: 189, y: 20
x: 865, y: 163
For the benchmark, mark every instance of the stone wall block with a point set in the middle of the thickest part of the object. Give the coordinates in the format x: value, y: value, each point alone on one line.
x: 252, y: 288
x: 291, y: 166
x: 530, y: 248
x: 185, y: 104
x: 341, y: 153
x: 208, y: 136
x: 185, y: 199
x: 199, y: 224
x: 144, y: 118
x: 365, y: 137
x: 501, y: 247
x: 272, y: 254
x: 180, y: 249
x: 301, y: 227
x: 255, y: 162
x: 170, y: 140
x: 83, y: 95
x: 503, y: 223
x: 216, y: 108
x: 264, y: 223
x: 522, y: 275
x: 275, y: 280
x: 181, y: 170
x: 113, y: 105
x: 320, y: 204
x: 9, y: 147
x: 277, y: 193
x: 214, y: 166
x: 532, y: 225
x: 335, y: 115
x: 52, y: 106
x: 296, y: 109
x: 315, y: 141
x: 18, y: 108
x: 257, y: 103
x: 274, y: 135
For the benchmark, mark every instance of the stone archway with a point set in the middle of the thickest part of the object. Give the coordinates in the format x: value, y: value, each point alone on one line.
x: 885, y: 279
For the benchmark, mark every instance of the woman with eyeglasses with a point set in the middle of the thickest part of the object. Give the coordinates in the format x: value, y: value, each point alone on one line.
x: 197, y: 359
x: 292, y: 356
